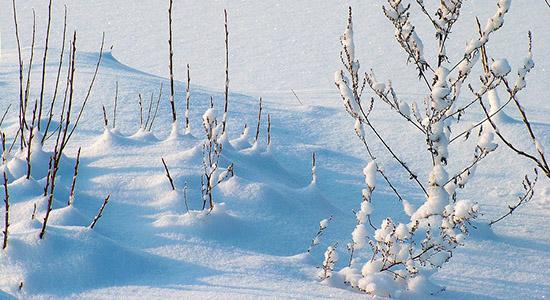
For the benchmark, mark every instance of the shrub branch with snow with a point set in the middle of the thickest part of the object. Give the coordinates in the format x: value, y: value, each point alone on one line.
x: 402, y: 256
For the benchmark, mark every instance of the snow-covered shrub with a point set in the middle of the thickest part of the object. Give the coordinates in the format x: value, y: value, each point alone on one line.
x: 402, y: 256
x: 212, y: 150
x: 331, y: 258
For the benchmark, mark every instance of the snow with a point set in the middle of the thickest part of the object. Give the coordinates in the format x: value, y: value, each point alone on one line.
x: 252, y: 244
x: 500, y: 67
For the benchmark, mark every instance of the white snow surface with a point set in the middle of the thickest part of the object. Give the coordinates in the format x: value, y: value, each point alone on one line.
x: 251, y: 246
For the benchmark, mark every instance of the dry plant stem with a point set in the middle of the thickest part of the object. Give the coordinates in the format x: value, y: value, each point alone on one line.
x: 149, y: 112
x: 20, y: 60
x: 187, y: 98
x: 33, y: 216
x: 380, y: 171
x: 156, y: 108
x: 466, y: 132
x: 7, y: 212
x: 50, y: 205
x: 259, y: 122
x: 48, y: 175
x: 140, y: 102
x: 357, y: 93
x: 171, y: 64
x: 69, y: 96
x: 61, y: 55
x: 75, y: 175
x: 63, y: 134
x: 4, y: 154
x: 296, y: 96
x: 529, y: 193
x: 100, y: 213
x: 268, y: 129
x: 317, y: 236
x: 168, y: 175
x: 44, y: 64
x: 541, y: 162
x: 467, y: 169
x: 105, y: 120
x: 88, y: 93
x: 4, y: 115
x: 185, y: 197
x: 226, y: 90
x: 411, y: 174
x: 313, y: 168
x: 29, y: 143
x: 115, y: 106
x: 29, y: 70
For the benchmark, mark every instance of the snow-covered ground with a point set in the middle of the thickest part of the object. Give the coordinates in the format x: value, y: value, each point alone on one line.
x: 146, y: 246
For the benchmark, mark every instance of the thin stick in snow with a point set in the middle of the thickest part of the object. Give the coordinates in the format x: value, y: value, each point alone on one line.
x: 149, y: 112
x: 44, y: 64
x: 105, y: 120
x: 299, y: 101
x: 156, y: 108
x: 187, y: 100
x: 171, y: 64
x: 226, y: 90
x: 29, y: 143
x: 185, y: 196
x: 259, y: 122
x: 168, y: 175
x: 4, y: 154
x: 116, y: 101
x: 313, y: 168
x: 100, y: 213
x: 33, y: 216
x: 140, y: 102
x: 268, y: 129
x: 4, y: 115
x: 20, y: 60
x: 75, y: 175
x: 7, y: 213
x: 52, y: 103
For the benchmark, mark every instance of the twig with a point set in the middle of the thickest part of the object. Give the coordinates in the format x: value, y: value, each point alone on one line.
x: 187, y: 100
x: 149, y: 112
x: 44, y: 64
x: 7, y: 213
x: 259, y: 121
x: 296, y: 97
x: 529, y: 187
x: 105, y: 120
x: 115, y: 106
x: 4, y: 115
x: 29, y: 143
x: 100, y: 213
x: 50, y: 115
x: 268, y: 129
x: 156, y: 108
x: 168, y: 175
x: 140, y: 102
x: 89, y: 89
x: 226, y: 90
x: 75, y: 175
x: 20, y: 60
x: 171, y: 66
x: 185, y: 197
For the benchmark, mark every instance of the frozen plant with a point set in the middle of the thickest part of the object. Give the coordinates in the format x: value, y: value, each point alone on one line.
x: 212, y: 150
x: 331, y: 257
x: 317, y: 238
x: 400, y: 256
